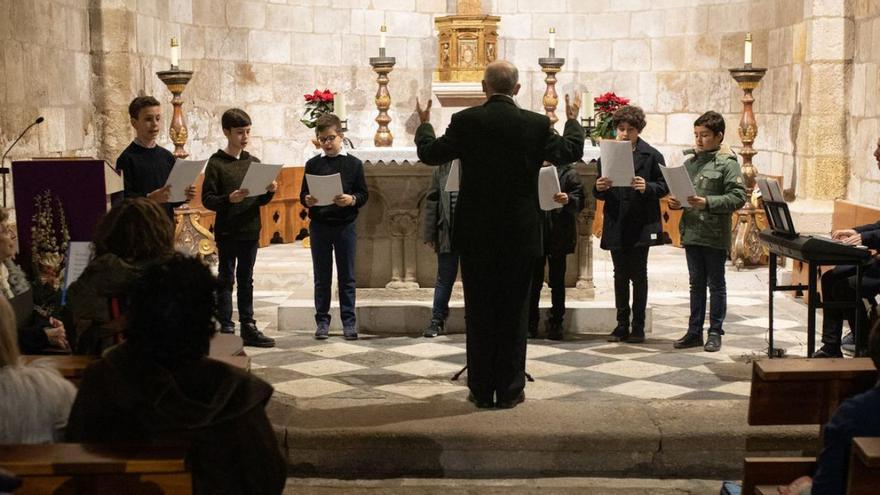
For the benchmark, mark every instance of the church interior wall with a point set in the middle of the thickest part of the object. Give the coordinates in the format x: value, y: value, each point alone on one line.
x: 864, y: 106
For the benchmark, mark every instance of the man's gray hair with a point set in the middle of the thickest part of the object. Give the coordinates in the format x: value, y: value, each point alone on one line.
x: 501, y: 76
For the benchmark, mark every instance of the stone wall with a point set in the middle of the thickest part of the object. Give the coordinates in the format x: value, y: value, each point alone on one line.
x: 864, y: 105
x: 46, y: 71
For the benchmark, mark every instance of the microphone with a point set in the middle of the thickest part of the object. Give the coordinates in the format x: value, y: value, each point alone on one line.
x: 4, y: 170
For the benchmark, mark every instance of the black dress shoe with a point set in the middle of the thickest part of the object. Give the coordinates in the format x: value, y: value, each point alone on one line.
x: 434, y: 329
x: 637, y: 337
x: 620, y: 333
x: 229, y: 330
x: 828, y: 351
x: 504, y: 404
x: 554, y: 331
x: 252, y: 337
x: 689, y: 340
x: 481, y: 404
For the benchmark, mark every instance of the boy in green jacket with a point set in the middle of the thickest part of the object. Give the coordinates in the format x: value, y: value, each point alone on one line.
x: 706, y: 228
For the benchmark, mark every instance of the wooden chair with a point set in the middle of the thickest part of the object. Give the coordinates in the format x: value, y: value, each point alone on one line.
x: 84, y: 469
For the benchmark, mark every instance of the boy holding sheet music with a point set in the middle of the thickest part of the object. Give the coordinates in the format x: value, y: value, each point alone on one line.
x: 237, y: 225
x: 631, y: 223
x: 144, y: 164
x: 332, y: 230
x: 706, y: 226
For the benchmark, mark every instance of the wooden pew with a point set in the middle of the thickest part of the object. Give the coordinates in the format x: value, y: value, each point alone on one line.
x: 84, y: 469
x: 798, y: 392
x: 864, y: 467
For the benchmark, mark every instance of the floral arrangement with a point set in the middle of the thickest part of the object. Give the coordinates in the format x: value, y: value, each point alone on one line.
x: 604, y: 107
x: 317, y: 103
x: 49, y: 241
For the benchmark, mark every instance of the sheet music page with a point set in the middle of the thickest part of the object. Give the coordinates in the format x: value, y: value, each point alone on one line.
x: 679, y: 183
x: 324, y: 188
x: 548, y: 186
x: 617, y: 162
x: 78, y: 255
x: 452, y: 180
x: 258, y: 178
x: 183, y: 175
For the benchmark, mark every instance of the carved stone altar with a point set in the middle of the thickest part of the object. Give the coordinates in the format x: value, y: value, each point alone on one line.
x: 390, y: 252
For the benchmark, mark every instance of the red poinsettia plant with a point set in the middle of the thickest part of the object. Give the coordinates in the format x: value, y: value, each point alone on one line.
x: 604, y: 107
x: 317, y: 103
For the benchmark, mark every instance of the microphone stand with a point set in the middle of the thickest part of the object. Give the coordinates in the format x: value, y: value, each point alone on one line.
x: 4, y: 170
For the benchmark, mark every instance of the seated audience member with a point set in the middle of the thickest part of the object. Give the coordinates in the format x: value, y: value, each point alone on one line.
x: 158, y: 386
x: 858, y: 416
x: 37, y: 333
x: 133, y: 234
x: 839, y: 285
x: 34, y: 401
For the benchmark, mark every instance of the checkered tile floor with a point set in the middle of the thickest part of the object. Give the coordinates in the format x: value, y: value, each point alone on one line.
x: 581, y: 368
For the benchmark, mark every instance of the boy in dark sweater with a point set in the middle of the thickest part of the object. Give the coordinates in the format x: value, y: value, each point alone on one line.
x: 332, y: 227
x: 144, y: 164
x: 237, y: 225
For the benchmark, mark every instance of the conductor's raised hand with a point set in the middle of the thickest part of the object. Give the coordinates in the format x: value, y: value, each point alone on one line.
x: 572, y: 107
x: 238, y: 195
x: 161, y: 195
x: 424, y: 114
x: 311, y: 200
x: 603, y: 184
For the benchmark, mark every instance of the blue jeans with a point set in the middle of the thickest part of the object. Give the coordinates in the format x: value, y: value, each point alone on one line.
x: 706, y: 268
x: 447, y: 270
x: 326, y: 241
x: 236, y: 267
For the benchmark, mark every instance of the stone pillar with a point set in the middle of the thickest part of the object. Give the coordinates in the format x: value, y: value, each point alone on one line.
x: 823, y: 153
x: 112, y: 36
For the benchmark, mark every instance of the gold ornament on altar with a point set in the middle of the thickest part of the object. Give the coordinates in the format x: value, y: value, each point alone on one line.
x: 468, y: 42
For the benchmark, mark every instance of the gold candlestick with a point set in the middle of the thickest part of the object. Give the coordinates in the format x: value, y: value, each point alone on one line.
x: 551, y: 66
x: 176, y: 81
x: 382, y: 65
x: 746, y: 248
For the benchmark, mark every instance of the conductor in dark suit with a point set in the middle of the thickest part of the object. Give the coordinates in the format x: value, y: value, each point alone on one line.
x: 498, y: 222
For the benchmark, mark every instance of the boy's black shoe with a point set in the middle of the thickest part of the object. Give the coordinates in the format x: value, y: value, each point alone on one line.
x: 620, y: 333
x: 481, y: 404
x: 636, y: 337
x: 434, y: 329
x: 252, y: 337
x: 554, y: 330
x: 229, y: 330
x: 510, y: 404
x: 713, y: 343
x: 689, y: 340
x: 828, y: 351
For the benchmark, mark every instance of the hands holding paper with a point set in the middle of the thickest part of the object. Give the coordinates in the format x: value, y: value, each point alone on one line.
x: 561, y: 198
x: 239, y: 194
x: 697, y: 202
x: 604, y: 184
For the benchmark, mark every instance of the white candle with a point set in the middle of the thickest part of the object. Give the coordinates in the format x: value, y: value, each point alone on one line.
x: 175, y: 52
x: 552, y: 38
x: 747, y: 51
x: 382, y: 31
x: 586, y: 104
x: 339, y: 106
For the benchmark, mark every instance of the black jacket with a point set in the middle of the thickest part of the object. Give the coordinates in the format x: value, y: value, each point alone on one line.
x: 501, y: 148
x: 560, y: 225
x: 351, y: 173
x: 224, y: 174
x: 632, y: 219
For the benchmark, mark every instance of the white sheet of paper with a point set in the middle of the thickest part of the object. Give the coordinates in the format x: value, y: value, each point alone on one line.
x: 78, y: 255
x: 617, y: 162
x: 258, y: 178
x: 324, y: 188
x: 452, y: 180
x: 548, y: 185
x: 183, y: 175
x: 679, y: 183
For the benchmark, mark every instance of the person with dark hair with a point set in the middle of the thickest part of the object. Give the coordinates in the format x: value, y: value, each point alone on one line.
x: 705, y: 228
x: 237, y: 225
x: 159, y: 386
x: 144, y: 164
x: 631, y: 223
x: 331, y: 230
x: 498, y: 222
x: 857, y: 416
x: 133, y: 234
x: 839, y: 284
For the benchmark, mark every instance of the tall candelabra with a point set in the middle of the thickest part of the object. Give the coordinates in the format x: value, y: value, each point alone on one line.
x: 382, y: 65
x: 176, y: 80
x: 551, y: 65
x: 746, y: 248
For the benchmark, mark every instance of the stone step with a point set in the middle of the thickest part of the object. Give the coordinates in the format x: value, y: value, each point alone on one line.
x: 680, y: 439
x: 409, y: 317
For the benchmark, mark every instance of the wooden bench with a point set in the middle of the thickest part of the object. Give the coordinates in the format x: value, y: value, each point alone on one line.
x: 84, y: 469
x: 863, y: 477
x: 798, y: 392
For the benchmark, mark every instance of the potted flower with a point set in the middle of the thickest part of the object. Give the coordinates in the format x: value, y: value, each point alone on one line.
x: 317, y: 103
x: 604, y: 107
